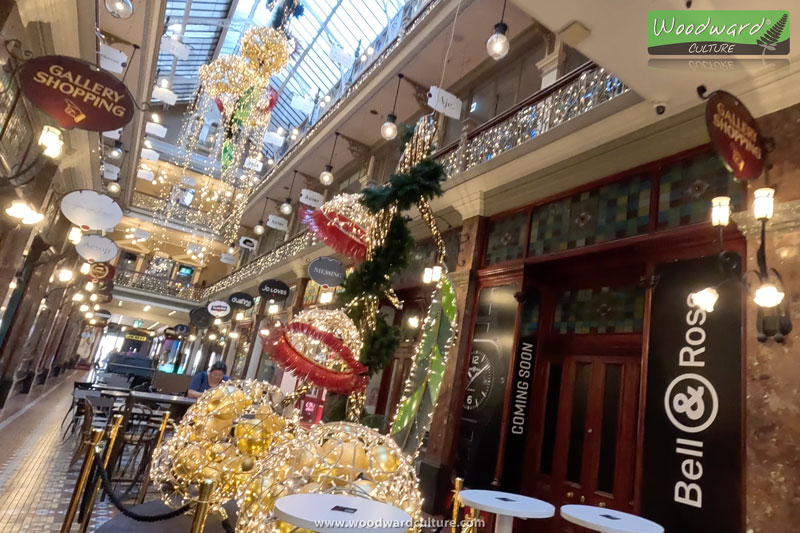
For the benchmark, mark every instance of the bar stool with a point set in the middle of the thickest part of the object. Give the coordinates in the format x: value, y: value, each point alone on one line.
x: 608, y: 520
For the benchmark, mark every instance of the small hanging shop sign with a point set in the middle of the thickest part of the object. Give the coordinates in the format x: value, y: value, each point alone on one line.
x: 735, y: 135
x: 76, y: 93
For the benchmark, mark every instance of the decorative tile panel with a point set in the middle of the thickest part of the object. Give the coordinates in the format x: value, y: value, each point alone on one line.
x: 506, y: 239
x: 609, y: 212
x: 686, y: 188
x: 600, y: 310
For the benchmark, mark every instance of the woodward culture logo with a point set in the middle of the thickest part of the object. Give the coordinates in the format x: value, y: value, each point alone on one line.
x: 718, y: 33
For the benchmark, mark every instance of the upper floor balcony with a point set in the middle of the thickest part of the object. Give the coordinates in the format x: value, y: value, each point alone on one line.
x: 161, y: 208
x: 574, y: 95
x: 149, y: 286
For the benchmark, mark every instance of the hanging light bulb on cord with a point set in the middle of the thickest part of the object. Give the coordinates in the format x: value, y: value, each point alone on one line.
x: 498, y: 45
x: 259, y: 229
x: 389, y: 128
x: 326, y: 177
x: 286, y: 207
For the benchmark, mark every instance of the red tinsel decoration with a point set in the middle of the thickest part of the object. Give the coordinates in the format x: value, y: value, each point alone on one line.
x: 321, y: 376
x: 328, y: 229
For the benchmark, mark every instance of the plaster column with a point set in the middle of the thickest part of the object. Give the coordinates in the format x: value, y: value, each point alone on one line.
x: 551, y: 66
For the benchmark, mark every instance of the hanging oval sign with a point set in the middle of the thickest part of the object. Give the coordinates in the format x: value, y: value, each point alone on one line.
x: 181, y: 329
x: 200, y: 317
x: 274, y: 290
x: 102, y: 314
x: 90, y: 210
x: 219, y: 309
x: 96, y: 248
x: 326, y: 271
x: 735, y: 135
x: 241, y: 300
x: 103, y: 298
x: 76, y: 93
x: 101, y: 272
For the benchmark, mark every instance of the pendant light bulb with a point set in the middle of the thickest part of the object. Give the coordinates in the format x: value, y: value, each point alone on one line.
x: 259, y: 228
x: 498, y: 45
x: 326, y: 177
x: 286, y: 207
x: 389, y: 128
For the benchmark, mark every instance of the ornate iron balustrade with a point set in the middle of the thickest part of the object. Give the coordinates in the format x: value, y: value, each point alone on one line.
x: 287, y: 251
x: 571, y: 96
x: 158, y: 285
x: 178, y: 213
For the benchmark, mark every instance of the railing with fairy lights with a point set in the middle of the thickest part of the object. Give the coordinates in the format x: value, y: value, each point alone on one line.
x: 178, y: 213
x: 286, y: 251
x: 157, y: 284
x: 571, y: 96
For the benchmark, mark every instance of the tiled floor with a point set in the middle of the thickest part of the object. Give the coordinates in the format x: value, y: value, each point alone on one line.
x: 35, y: 481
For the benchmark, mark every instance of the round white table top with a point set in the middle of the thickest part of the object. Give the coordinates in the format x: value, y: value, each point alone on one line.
x: 338, y: 513
x: 505, y: 503
x: 608, y: 520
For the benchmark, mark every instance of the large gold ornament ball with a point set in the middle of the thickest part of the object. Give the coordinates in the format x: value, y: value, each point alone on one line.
x: 335, y: 458
x: 221, y: 437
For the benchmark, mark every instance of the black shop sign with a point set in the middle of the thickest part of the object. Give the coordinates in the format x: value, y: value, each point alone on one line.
x: 274, y: 290
x: 692, y: 469
x: 241, y: 300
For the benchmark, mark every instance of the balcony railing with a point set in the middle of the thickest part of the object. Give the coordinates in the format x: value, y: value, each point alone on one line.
x: 287, y: 251
x: 176, y: 212
x: 158, y: 285
x: 571, y: 96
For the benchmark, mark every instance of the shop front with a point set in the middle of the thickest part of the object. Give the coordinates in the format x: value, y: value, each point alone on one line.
x: 592, y: 376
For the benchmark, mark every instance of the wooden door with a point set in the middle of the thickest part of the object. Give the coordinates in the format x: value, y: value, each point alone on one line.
x: 582, y: 447
x: 587, y: 440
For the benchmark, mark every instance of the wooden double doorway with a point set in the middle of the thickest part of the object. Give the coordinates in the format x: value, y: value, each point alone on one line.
x: 587, y: 318
x: 580, y: 446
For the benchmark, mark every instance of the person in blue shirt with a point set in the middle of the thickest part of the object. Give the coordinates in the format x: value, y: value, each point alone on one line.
x: 202, y: 381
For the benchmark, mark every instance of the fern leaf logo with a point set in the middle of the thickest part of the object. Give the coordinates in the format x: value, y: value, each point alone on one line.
x: 771, y: 36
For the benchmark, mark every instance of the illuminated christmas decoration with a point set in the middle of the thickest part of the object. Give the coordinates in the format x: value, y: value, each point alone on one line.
x: 334, y: 458
x: 221, y: 438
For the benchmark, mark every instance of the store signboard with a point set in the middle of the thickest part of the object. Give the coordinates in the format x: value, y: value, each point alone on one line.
x: 278, y: 223
x: 219, y: 308
x: 101, y: 272
x: 241, y: 300
x: 91, y: 210
x: 735, y: 135
x: 485, y: 388
x: 200, y: 317
x: 692, y: 464
x: 96, y: 248
x: 519, y: 415
x: 311, y: 198
x: 76, y: 93
x: 326, y: 271
x: 274, y: 290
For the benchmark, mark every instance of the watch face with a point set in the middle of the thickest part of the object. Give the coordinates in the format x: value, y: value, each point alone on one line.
x: 480, y: 375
